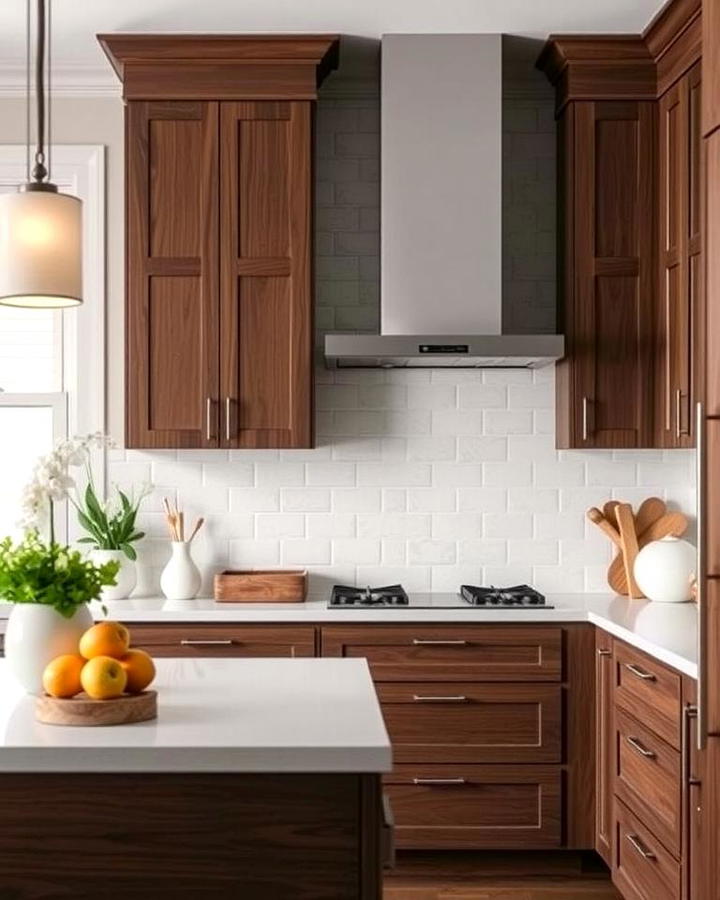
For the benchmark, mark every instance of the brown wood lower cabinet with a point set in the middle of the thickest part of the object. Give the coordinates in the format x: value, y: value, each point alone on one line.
x: 224, y: 640
x: 473, y: 722
x: 648, y: 779
x: 476, y: 807
x: 649, y: 691
x: 642, y: 868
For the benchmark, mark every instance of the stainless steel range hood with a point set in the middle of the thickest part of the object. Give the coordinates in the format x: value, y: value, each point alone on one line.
x: 441, y: 213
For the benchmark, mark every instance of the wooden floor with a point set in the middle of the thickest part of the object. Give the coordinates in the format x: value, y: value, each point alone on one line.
x: 476, y: 876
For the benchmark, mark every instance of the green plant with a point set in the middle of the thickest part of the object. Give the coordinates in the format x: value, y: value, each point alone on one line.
x: 110, y: 525
x: 34, y: 572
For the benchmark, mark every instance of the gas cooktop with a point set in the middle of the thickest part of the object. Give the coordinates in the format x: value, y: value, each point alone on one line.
x: 394, y: 596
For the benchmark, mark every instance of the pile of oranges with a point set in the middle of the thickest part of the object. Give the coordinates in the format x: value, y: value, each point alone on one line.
x: 104, y: 667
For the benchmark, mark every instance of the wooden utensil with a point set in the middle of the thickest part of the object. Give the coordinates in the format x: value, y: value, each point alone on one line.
x: 670, y: 524
x: 649, y: 511
x: 608, y: 511
x: 597, y: 518
x: 81, y: 710
x: 628, y: 536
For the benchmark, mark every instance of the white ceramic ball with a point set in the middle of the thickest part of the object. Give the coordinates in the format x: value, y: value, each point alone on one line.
x: 665, y: 570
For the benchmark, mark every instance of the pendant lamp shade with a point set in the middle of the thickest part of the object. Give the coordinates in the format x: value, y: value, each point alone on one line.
x: 40, y: 249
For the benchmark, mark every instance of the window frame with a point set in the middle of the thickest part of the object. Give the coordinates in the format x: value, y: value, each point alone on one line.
x: 80, y: 407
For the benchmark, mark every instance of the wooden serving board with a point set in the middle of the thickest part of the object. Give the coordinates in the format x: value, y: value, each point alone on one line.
x: 261, y: 586
x: 81, y: 710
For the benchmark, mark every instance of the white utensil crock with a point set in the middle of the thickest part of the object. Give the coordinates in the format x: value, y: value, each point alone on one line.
x: 180, y: 579
x: 37, y: 633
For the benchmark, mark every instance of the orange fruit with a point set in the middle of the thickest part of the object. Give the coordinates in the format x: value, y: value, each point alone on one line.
x: 105, y: 639
x: 103, y: 678
x: 139, y: 668
x: 61, y: 677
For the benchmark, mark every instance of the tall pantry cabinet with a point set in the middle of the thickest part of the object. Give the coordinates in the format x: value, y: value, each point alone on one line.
x: 219, y: 236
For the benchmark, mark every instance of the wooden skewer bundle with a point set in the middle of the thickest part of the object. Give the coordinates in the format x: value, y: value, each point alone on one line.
x: 176, y: 523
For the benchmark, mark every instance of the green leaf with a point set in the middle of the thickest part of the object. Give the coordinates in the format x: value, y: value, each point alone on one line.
x: 86, y: 540
x: 94, y: 509
x: 129, y: 551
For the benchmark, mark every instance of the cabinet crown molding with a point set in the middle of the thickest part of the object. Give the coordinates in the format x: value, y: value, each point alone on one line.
x: 221, y: 66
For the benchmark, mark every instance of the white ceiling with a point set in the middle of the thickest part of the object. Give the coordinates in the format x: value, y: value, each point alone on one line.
x: 75, y: 22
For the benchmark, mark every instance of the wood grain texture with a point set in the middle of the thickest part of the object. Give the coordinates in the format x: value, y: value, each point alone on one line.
x: 191, y: 836
x: 649, y: 691
x: 609, y: 250
x: 712, y: 276
x: 604, y: 744
x: 171, y: 368
x: 492, y: 807
x: 266, y: 290
x: 641, y: 877
x: 200, y: 640
x: 261, y: 585
x: 82, y: 711
x: 711, y: 67
x: 579, y: 724
x: 220, y: 67
x: 649, y: 785
x: 494, y: 723
x: 445, y: 653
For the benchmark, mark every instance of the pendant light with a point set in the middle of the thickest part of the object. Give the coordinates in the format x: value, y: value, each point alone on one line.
x: 40, y: 228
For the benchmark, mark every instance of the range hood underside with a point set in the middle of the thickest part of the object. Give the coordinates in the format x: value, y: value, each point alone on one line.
x: 497, y: 351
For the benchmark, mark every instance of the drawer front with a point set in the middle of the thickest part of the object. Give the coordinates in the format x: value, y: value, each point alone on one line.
x: 451, y: 653
x: 472, y: 722
x: 477, y: 807
x: 642, y: 868
x: 649, y: 691
x: 648, y: 779
x: 223, y: 640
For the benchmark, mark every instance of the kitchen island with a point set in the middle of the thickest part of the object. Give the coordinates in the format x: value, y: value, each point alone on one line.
x: 259, y: 779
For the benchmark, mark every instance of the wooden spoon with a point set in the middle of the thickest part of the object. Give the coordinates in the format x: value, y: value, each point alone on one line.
x: 609, y: 511
x: 597, y: 518
x: 650, y: 511
x: 628, y: 535
x: 673, y: 523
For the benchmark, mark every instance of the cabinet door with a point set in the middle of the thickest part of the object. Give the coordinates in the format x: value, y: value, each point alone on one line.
x: 604, y: 736
x: 610, y: 392
x: 189, y: 640
x: 172, y: 282
x: 680, y: 271
x: 711, y: 65
x: 265, y: 265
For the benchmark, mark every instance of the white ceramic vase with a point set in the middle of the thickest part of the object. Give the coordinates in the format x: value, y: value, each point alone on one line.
x: 37, y: 633
x: 665, y: 570
x: 180, y: 579
x: 126, y: 578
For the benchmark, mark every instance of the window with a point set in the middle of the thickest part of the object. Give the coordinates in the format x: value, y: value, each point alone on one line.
x: 49, y: 389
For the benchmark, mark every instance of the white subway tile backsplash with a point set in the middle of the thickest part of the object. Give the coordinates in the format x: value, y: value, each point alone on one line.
x: 482, y: 449
x: 457, y: 526
x: 338, y: 525
x: 230, y: 474
x: 394, y: 500
x: 410, y: 475
x: 311, y: 552
x: 451, y: 475
x: 482, y: 396
x: 358, y: 552
x: 254, y: 500
x: 279, y: 525
x: 507, y: 422
x: 432, y: 553
x: 248, y: 554
x: 430, y: 449
x: 431, y: 500
x: 305, y: 500
x: 332, y: 474
x: 356, y: 500
x: 482, y: 500
x: 277, y: 474
x: 395, y: 525
x: 532, y: 551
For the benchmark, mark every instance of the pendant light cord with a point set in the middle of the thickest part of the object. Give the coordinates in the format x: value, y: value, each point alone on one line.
x: 39, y: 172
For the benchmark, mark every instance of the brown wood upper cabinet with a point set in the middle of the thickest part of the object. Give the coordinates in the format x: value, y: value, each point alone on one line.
x: 680, y: 259
x: 630, y: 175
x: 219, y: 247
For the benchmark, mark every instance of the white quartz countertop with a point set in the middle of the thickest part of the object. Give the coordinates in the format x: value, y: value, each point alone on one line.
x: 217, y: 715
x: 667, y: 631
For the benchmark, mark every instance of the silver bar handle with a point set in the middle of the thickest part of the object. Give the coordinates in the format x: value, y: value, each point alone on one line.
x: 602, y: 651
x: 440, y: 781
x: 228, y: 411
x: 641, y: 748
x: 678, y: 413
x: 585, y: 418
x: 702, y: 681
x: 189, y: 642
x: 419, y: 642
x: 208, y: 419
x: 451, y: 698
x: 640, y: 673
x: 640, y: 847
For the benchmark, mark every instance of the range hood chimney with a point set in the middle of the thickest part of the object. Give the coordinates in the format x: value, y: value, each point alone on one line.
x: 441, y: 213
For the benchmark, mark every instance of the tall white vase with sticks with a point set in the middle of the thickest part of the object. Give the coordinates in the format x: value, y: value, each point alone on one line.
x: 180, y: 579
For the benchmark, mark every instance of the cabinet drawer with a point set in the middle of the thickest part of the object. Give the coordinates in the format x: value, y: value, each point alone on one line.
x: 649, y: 691
x: 451, y: 653
x: 642, y: 868
x: 223, y: 640
x: 648, y: 779
x: 476, y: 807
x: 472, y: 723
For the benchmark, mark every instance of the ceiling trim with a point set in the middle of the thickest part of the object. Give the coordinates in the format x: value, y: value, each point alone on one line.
x: 67, y: 80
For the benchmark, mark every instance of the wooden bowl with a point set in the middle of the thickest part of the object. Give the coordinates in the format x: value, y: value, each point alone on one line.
x: 81, y: 710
